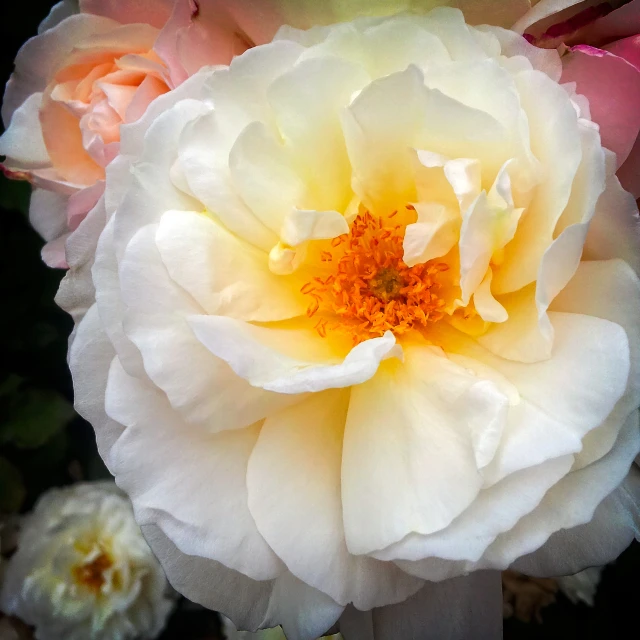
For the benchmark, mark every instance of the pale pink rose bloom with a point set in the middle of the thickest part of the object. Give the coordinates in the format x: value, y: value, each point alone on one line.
x: 95, y: 66
x: 601, y: 41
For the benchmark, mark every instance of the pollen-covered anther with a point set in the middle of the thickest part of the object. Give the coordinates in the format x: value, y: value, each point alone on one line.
x: 372, y: 290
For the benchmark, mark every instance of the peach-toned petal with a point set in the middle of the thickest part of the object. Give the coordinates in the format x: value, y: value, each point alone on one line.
x: 147, y: 92
x: 120, y: 77
x: 126, y: 38
x: 119, y: 97
x: 85, y: 85
x: 100, y: 126
x: 64, y: 143
x: 144, y: 63
x: 38, y: 59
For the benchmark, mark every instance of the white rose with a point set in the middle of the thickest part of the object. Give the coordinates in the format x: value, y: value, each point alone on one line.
x: 83, y: 571
x: 363, y: 323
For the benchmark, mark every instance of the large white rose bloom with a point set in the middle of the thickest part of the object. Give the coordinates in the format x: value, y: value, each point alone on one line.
x: 362, y: 327
x: 83, y: 571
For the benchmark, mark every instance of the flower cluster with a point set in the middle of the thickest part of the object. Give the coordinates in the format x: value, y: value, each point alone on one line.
x: 357, y: 313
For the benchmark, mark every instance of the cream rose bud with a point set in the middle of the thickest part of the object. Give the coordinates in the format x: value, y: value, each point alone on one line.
x: 363, y: 325
x: 83, y: 571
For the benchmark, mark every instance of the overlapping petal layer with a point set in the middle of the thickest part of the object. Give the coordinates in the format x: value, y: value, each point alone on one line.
x: 345, y: 336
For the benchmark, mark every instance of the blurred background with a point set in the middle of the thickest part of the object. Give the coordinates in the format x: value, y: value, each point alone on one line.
x: 44, y: 444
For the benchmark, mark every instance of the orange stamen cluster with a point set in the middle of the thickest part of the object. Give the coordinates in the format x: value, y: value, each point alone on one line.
x: 91, y: 575
x: 372, y: 290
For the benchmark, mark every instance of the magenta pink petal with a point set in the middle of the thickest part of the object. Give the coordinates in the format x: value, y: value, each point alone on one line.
x: 629, y: 172
x: 560, y: 30
x: 612, y: 86
x: 621, y: 23
x: 627, y: 48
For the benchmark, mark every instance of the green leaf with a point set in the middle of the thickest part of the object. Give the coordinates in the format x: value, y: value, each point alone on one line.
x: 15, y: 194
x: 10, y: 386
x: 12, y: 491
x: 34, y: 417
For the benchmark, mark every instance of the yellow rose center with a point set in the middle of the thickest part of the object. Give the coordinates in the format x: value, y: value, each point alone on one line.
x: 90, y: 573
x: 371, y: 290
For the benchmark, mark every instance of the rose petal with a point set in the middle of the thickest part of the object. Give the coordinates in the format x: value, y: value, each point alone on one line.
x: 156, y: 448
x: 41, y: 56
x: 609, y: 290
x: 412, y: 436
x: 379, y: 137
x: 613, y: 527
x: 541, y: 10
x: 571, y: 502
x: 224, y: 274
x: 307, y: 102
x: 466, y: 607
x: 318, y: 555
x: 53, y: 253
x: 48, y: 213
x: 154, y: 320
x: 22, y: 142
x: 629, y: 172
x: 90, y: 356
x: 612, y: 86
x: 290, y: 360
x: 154, y: 12
x: 496, y: 509
x: 250, y: 603
x: 614, y: 231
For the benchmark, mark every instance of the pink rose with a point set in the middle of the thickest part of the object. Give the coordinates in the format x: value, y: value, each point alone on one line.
x: 601, y: 41
x: 92, y: 69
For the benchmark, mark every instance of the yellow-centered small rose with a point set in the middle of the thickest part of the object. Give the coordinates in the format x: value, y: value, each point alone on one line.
x: 83, y: 571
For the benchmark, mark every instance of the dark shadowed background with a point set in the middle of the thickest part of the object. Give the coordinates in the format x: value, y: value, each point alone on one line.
x: 43, y: 443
